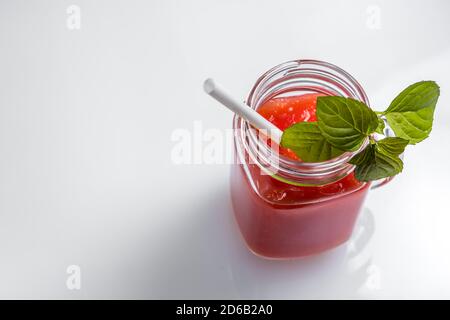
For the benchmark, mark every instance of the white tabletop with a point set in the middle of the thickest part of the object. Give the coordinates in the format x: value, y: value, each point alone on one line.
x: 88, y: 184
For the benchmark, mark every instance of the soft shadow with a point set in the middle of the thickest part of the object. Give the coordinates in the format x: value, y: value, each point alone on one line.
x: 209, y: 259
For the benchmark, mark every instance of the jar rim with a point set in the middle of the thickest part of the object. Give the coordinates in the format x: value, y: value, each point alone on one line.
x: 286, y: 78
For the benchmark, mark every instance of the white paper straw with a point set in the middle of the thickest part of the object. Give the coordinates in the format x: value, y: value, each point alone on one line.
x: 241, y: 109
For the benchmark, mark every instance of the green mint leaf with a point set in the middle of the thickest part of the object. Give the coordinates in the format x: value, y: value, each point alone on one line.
x: 306, y: 140
x: 345, y: 122
x: 411, y: 113
x: 381, y: 126
x: 414, y: 126
x: 392, y: 145
x: 381, y: 166
x: 380, y: 160
x: 377, y: 165
x: 364, y: 156
x: 420, y: 95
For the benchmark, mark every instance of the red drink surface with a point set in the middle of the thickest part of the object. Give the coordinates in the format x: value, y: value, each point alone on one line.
x: 283, y: 220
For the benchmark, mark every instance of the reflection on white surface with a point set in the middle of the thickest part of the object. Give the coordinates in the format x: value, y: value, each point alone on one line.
x: 211, y: 260
x: 339, y: 273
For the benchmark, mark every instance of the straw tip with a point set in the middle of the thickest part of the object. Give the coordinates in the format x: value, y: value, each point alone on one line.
x: 209, y: 85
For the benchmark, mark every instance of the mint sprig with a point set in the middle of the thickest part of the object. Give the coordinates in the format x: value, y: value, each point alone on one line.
x: 380, y: 159
x: 307, y: 141
x: 411, y: 113
x: 343, y: 124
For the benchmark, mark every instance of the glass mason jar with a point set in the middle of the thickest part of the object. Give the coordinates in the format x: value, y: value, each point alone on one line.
x: 287, y: 208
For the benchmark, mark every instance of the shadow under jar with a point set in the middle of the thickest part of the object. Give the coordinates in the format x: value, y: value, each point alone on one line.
x: 286, y: 208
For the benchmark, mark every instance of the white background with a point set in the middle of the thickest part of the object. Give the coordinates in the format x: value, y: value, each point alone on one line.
x: 86, y: 176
